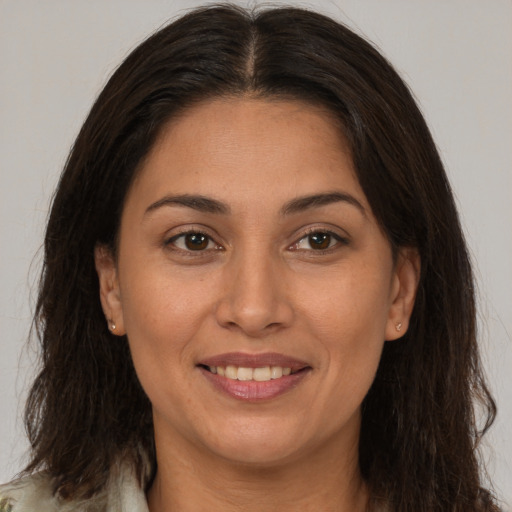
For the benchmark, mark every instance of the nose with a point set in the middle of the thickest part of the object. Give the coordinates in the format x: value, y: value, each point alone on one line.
x: 255, y: 299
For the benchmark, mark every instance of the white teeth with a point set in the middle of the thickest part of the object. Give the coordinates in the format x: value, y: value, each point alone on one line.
x: 231, y: 372
x: 276, y: 372
x: 243, y: 373
x: 262, y: 374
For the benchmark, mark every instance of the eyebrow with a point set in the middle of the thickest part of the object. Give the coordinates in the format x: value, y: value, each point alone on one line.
x: 208, y: 205
x: 196, y: 202
x: 317, y: 200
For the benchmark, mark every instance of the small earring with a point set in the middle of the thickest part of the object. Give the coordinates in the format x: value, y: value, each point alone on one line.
x: 398, y: 326
x: 111, y: 325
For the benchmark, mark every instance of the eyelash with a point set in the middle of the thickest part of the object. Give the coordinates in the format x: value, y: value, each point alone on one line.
x: 171, y: 242
x: 338, y: 240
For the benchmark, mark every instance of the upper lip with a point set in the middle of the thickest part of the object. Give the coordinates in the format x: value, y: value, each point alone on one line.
x: 254, y: 360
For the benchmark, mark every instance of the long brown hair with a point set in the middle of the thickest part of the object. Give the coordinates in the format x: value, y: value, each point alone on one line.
x: 86, y: 409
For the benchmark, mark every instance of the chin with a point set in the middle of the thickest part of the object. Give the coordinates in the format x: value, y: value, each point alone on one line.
x: 264, y: 443
x: 258, y: 455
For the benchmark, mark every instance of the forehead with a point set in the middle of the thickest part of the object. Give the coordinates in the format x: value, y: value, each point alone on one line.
x: 242, y: 147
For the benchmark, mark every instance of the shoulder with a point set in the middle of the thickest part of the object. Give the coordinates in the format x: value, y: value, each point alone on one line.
x: 28, y: 494
x: 34, y: 493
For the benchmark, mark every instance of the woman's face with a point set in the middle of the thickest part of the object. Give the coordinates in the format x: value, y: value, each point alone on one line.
x: 253, y: 283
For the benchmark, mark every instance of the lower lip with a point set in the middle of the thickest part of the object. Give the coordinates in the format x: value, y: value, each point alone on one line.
x: 254, y: 391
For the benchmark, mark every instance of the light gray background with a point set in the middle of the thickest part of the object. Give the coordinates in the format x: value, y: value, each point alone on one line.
x: 455, y: 54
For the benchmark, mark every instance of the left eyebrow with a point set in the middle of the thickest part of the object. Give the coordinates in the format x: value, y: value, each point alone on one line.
x: 195, y: 202
x: 317, y: 200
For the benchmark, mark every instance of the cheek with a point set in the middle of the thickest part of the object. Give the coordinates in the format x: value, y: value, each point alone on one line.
x: 158, y: 298
x: 162, y: 313
x: 163, y: 316
x: 351, y: 305
x: 348, y: 319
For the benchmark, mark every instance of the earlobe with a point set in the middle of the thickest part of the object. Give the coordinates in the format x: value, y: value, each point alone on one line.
x: 405, y: 285
x: 110, y: 295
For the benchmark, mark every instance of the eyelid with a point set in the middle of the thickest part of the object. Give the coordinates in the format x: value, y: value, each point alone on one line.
x: 341, y: 239
x: 182, y: 232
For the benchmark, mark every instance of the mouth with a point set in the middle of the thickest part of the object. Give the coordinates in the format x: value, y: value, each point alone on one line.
x: 254, y: 377
x: 246, y: 374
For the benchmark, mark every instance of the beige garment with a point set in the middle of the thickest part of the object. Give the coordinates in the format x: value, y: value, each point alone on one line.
x: 34, y: 494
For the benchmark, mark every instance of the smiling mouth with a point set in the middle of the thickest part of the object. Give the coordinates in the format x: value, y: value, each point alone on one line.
x: 254, y: 377
x: 262, y: 374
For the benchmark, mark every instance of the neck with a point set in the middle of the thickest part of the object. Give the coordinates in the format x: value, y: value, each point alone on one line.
x: 324, y: 480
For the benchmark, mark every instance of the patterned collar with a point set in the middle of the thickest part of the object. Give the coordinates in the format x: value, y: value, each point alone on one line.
x: 34, y: 494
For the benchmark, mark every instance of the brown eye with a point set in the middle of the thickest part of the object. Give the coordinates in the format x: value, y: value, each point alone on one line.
x: 320, y: 240
x: 196, y: 241
x: 192, y: 241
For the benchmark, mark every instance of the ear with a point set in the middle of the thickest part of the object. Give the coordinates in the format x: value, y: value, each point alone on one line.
x: 110, y: 295
x: 403, y: 292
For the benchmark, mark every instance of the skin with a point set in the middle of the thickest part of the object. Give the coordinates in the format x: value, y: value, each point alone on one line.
x: 261, y: 284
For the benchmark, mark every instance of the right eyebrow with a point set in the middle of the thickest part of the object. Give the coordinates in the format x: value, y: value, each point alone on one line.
x: 196, y: 202
x: 317, y: 200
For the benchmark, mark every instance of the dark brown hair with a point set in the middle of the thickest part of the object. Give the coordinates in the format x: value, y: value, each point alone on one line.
x: 86, y: 409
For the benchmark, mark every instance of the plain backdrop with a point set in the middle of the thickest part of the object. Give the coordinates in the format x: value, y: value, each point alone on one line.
x: 456, y: 55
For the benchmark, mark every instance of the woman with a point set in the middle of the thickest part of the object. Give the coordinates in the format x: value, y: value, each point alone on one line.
x: 256, y: 292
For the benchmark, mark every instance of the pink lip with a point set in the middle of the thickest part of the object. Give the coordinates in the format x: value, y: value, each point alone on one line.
x: 253, y: 391
x: 255, y: 360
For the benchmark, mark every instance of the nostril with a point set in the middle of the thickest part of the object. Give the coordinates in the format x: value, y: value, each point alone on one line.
x: 255, y: 312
